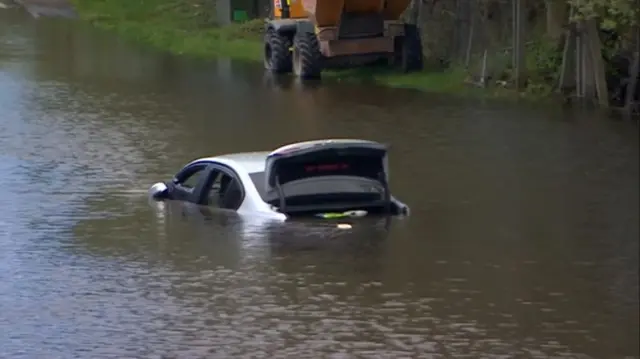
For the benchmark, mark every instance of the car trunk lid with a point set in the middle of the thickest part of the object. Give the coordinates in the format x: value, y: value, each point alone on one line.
x: 314, y: 164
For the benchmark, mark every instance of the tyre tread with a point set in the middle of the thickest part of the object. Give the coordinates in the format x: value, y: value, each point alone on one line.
x: 309, y: 55
x: 280, y: 61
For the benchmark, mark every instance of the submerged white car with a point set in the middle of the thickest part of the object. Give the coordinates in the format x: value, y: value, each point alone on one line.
x: 333, y: 177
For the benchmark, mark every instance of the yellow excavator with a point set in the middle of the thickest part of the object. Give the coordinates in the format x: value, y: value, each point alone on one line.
x: 305, y: 36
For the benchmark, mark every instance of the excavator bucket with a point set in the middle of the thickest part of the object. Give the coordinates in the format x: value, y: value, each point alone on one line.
x: 327, y: 13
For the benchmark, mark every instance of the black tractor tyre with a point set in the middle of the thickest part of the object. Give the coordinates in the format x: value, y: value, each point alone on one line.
x: 307, y: 59
x: 277, y: 57
x: 408, y: 49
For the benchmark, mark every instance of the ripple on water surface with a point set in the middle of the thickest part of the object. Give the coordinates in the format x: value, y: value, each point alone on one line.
x: 523, y: 243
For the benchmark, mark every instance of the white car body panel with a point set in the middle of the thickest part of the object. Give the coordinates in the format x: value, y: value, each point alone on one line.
x: 244, y: 164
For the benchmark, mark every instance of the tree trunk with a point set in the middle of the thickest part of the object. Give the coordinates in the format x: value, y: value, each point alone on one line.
x: 518, y: 40
x: 567, y: 79
x: 556, y: 18
x: 595, y: 56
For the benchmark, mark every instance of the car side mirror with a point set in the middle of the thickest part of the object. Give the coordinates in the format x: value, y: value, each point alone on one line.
x: 158, y: 190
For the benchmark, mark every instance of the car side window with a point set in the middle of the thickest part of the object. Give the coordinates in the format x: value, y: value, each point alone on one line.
x: 192, y: 177
x: 213, y: 195
x: 225, y: 192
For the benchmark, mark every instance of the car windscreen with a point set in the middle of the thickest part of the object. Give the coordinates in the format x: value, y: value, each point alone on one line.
x: 327, y: 192
x: 332, y: 184
x: 320, y: 185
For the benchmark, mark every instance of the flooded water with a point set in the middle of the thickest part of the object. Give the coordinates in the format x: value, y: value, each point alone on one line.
x: 523, y: 239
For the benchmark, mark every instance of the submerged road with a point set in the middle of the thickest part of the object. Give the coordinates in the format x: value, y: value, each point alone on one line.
x: 523, y: 239
x: 39, y: 8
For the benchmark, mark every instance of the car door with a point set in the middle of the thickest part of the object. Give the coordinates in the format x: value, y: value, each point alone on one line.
x: 186, y: 184
x: 223, y: 189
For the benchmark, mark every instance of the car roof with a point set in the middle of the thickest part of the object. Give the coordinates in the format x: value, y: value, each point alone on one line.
x: 251, y: 161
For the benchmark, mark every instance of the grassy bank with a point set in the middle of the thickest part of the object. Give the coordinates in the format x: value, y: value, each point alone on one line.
x: 187, y: 27
x: 179, y: 26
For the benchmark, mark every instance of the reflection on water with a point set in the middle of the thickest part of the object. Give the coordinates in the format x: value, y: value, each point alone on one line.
x: 523, y: 239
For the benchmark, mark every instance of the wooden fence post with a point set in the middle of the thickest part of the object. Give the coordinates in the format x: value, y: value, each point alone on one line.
x: 634, y: 69
x: 579, y: 61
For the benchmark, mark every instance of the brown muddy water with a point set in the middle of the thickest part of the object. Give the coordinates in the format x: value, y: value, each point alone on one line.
x: 523, y: 241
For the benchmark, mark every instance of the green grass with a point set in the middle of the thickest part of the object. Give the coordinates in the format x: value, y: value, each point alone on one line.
x: 179, y: 26
x: 187, y: 27
x: 453, y: 81
x: 449, y: 81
